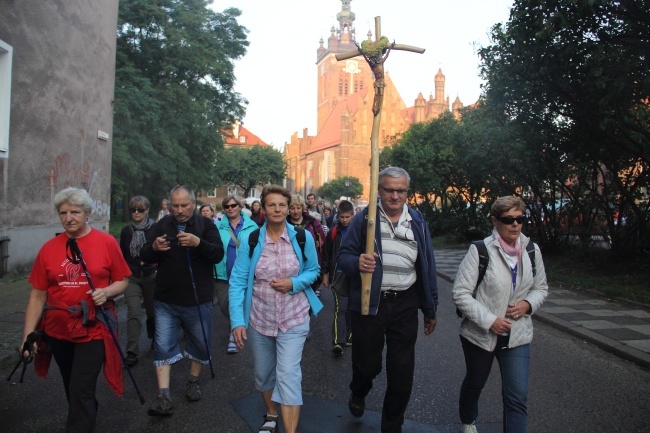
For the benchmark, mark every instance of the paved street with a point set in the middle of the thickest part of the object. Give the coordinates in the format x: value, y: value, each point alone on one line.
x: 576, y: 386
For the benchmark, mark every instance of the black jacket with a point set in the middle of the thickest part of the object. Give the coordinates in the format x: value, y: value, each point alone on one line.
x: 174, y: 282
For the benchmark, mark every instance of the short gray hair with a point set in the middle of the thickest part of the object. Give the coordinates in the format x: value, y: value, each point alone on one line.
x: 185, y: 188
x: 395, y: 172
x: 74, y: 196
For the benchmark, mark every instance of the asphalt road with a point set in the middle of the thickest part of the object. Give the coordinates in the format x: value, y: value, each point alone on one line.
x: 574, y: 387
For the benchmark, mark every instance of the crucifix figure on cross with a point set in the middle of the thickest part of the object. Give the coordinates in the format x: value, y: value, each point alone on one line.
x: 375, y: 53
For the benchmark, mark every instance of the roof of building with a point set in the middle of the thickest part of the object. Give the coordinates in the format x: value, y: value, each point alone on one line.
x: 330, y: 133
x: 240, y: 136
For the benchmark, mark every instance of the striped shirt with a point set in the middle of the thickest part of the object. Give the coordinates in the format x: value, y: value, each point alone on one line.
x: 399, y: 253
x: 271, y: 310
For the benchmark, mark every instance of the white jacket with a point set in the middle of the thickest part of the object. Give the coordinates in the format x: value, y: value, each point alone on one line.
x: 495, y: 292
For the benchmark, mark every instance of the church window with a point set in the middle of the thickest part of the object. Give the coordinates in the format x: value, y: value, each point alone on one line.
x: 346, y: 87
x: 340, y: 87
x: 361, y: 85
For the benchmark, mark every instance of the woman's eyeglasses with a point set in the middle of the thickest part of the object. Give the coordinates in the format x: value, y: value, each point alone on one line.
x: 230, y: 206
x: 137, y: 209
x: 509, y: 220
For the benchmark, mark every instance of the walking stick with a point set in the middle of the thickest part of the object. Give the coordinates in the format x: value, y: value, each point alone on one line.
x: 27, y: 347
x: 76, y: 256
x: 375, y: 54
x: 198, y: 305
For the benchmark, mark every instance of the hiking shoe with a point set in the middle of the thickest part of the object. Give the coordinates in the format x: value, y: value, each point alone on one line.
x: 131, y: 359
x: 469, y: 428
x: 232, y: 347
x: 193, y: 391
x: 357, y: 405
x: 161, y: 407
x: 337, y: 350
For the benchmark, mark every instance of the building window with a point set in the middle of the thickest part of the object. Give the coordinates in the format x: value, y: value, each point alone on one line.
x: 242, y: 139
x: 6, y: 54
x: 340, y: 87
x: 212, y: 193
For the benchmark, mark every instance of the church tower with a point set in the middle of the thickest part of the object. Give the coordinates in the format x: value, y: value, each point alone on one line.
x: 337, y: 79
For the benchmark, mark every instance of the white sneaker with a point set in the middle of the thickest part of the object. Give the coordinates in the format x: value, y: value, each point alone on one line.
x: 469, y: 428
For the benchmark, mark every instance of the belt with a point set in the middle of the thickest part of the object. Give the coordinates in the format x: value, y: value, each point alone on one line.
x: 393, y: 294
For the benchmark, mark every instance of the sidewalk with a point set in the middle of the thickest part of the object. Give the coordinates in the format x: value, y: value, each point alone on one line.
x: 616, y: 326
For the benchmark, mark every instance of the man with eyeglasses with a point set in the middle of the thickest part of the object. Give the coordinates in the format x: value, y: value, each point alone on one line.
x: 403, y: 281
x: 186, y: 247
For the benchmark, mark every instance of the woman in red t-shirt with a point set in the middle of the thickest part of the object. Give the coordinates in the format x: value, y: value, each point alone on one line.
x: 62, y: 304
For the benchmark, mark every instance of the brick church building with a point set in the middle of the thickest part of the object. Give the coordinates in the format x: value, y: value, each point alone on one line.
x: 341, y: 146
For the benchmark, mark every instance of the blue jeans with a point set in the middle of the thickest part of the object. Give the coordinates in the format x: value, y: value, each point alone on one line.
x: 276, y: 363
x: 514, y: 365
x: 169, y: 319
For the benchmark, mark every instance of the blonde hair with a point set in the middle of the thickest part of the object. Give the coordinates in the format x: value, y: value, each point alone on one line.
x: 505, y: 203
x: 297, y: 200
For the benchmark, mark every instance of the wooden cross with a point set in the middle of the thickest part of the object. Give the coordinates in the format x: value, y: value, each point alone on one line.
x: 375, y: 54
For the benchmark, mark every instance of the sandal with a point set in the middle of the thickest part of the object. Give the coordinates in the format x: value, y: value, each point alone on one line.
x: 270, y: 424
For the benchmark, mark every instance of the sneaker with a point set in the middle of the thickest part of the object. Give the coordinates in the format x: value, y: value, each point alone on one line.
x: 131, y: 359
x: 337, y: 350
x: 161, y: 407
x: 232, y: 347
x: 193, y: 391
x: 469, y: 428
x: 357, y: 405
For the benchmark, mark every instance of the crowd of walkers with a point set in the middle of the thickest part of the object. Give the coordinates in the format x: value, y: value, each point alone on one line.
x: 264, y: 267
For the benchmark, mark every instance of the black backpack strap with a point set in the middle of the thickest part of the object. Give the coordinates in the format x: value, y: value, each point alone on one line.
x: 252, y: 241
x: 254, y: 237
x: 483, y: 260
x: 301, y: 237
x: 530, y: 248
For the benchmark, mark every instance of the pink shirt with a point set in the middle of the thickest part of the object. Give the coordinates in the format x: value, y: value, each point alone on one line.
x: 271, y: 310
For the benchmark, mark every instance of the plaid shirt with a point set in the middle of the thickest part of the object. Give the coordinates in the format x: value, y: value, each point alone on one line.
x: 271, y: 310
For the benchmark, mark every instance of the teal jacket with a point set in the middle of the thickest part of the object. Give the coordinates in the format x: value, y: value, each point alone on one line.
x: 243, y: 274
x: 224, y: 232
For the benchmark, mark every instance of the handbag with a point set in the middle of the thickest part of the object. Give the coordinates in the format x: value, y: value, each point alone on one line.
x: 341, y: 284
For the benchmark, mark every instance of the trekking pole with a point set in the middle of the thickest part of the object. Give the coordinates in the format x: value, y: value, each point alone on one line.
x: 76, y: 257
x: 27, y: 347
x: 198, y: 307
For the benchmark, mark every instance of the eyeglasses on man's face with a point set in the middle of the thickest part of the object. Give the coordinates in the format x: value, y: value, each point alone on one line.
x: 137, y: 209
x: 391, y: 191
x: 230, y: 206
x: 509, y: 220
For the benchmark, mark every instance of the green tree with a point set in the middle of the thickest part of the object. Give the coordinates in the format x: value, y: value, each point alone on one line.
x: 342, y: 187
x: 174, y: 94
x: 249, y: 167
x: 577, y: 74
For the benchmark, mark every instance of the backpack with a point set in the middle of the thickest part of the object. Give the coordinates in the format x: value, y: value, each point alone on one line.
x: 484, y: 259
x: 301, y: 237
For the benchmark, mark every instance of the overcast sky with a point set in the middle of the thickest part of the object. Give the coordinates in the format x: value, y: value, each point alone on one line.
x: 278, y: 74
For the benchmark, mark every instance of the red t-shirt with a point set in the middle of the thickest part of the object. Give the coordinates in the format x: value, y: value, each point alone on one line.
x: 66, y: 282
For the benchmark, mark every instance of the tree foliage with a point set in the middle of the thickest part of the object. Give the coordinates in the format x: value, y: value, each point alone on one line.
x: 174, y: 94
x: 337, y: 188
x: 249, y: 167
x: 573, y: 76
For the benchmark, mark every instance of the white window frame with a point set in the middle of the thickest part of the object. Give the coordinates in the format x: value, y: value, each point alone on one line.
x: 6, y: 56
x: 212, y: 193
x: 242, y: 139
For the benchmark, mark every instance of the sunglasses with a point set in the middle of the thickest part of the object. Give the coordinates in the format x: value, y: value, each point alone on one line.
x: 230, y: 206
x: 137, y: 209
x: 509, y: 220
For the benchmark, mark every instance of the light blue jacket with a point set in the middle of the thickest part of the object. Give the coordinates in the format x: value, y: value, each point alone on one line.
x: 242, y: 277
x: 224, y: 232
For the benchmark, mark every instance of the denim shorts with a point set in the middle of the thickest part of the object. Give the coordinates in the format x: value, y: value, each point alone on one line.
x: 170, y: 319
x: 276, y: 362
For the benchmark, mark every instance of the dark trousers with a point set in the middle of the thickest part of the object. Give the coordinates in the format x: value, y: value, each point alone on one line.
x: 396, y: 322
x: 514, y: 365
x: 80, y: 364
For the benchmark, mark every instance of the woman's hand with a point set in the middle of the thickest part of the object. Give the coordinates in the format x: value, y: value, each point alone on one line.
x: 517, y: 309
x: 100, y: 296
x: 239, y: 334
x: 283, y: 285
x: 501, y: 326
